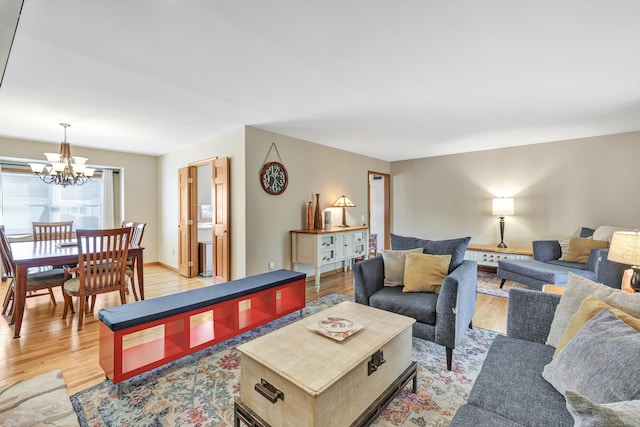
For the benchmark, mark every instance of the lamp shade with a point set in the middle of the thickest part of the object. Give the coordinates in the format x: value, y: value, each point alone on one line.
x: 625, y: 248
x: 502, y: 206
x: 343, y: 202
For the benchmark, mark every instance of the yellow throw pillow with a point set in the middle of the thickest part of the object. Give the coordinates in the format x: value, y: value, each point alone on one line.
x: 580, y: 247
x: 425, y: 272
x: 589, y: 308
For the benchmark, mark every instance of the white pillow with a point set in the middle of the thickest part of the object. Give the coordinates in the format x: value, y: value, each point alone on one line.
x: 564, y: 248
x: 605, y: 232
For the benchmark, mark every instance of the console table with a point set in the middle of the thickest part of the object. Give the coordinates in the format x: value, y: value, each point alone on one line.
x: 322, y: 247
x: 488, y: 256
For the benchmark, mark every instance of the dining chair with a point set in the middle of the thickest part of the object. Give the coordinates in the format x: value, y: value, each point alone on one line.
x: 52, y: 230
x: 102, y: 256
x: 38, y: 278
x: 137, y: 231
x: 43, y: 231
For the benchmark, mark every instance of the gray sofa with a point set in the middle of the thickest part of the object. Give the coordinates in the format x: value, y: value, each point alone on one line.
x: 510, y: 390
x: 545, y: 267
x: 441, y: 317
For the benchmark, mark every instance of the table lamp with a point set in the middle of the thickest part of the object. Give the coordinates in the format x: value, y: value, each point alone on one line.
x: 343, y: 202
x: 500, y: 207
x: 625, y: 249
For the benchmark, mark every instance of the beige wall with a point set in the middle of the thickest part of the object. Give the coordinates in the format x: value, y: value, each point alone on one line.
x: 230, y: 145
x: 312, y: 168
x: 140, y: 172
x: 558, y: 187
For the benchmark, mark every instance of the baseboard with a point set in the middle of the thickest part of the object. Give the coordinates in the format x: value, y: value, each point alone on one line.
x: 312, y: 278
x: 164, y: 265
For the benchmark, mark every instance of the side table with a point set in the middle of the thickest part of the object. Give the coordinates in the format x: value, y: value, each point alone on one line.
x: 553, y: 289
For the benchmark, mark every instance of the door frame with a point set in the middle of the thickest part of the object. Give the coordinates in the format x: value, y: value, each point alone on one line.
x: 224, y: 275
x: 386, y: 205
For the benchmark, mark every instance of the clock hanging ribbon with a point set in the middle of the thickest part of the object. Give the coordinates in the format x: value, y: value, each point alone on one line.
x: 273, y: 175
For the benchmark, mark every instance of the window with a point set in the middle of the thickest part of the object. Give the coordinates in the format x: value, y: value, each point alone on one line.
x: 25, y: 198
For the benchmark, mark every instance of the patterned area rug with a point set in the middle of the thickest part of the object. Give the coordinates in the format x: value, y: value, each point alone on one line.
x: 199, y: 390
x: 489, y: 283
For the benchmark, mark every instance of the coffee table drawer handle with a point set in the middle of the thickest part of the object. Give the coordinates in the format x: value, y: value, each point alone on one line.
x: 268, y: 391
x: 377, y: 359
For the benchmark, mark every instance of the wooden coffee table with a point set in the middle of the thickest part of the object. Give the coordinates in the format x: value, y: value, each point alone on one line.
x: 296, y: 377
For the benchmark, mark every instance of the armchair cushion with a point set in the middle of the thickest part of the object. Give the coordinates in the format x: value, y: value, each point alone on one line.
x: 421, y: 306
x: 454, y: 247
x: 425, y: 272
x: 580, y: 248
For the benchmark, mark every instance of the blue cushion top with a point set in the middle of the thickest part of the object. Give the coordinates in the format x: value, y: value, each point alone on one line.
x: 139, y: 312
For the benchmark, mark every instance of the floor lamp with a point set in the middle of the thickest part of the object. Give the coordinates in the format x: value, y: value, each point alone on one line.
x: 500, y: 207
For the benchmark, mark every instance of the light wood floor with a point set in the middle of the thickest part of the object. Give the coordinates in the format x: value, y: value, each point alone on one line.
x: 47, y: 342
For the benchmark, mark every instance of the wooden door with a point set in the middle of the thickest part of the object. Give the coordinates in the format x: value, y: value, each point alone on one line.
x: 221, y: 208
x: 187, y: 226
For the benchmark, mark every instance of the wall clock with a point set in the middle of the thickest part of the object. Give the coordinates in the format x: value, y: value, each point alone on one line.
x: 274, y: 178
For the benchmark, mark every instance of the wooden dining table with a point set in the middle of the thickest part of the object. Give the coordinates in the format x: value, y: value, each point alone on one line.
x: 51, y: 252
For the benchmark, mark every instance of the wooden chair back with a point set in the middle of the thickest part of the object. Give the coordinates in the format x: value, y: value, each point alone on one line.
x: 102, y: 260
x: 52, y: 230
x: 137, y: 230
x: 6, y: 254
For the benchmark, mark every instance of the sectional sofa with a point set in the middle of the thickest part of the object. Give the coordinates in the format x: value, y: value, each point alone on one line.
x: 592, y: 380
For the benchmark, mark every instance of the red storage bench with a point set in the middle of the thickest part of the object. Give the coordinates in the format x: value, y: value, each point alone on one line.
x: 143, y: 335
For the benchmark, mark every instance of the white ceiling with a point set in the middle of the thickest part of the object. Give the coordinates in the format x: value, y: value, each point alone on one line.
x: 390, y: 79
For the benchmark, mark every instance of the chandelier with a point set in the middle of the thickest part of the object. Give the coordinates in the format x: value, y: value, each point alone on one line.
x: 64, y: 169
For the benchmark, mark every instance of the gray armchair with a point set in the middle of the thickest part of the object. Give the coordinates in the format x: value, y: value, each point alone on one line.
x: 441, y: 317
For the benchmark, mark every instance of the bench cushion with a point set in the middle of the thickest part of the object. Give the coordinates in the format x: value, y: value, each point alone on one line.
x: 141, y: 312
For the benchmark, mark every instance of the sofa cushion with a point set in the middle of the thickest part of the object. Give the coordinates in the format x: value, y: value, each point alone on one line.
x: 577, y: 267
x: 590, y: 414
x: 578, y: 288
x: 394, y: 262
x: 600, y: 362
x: 425, y: 272
x: 469, y: 415
x: 510, y: 384
x: 586, y: 232
x: 454, y: 247
x: 589, y: 308
x: 580, y: 248
x: 421, y: 306
x: 542, y: 271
